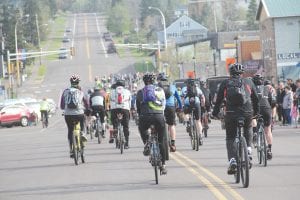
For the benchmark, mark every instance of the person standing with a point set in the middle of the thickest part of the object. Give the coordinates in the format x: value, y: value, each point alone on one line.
x: 287, y: 104
x: 279, y: 98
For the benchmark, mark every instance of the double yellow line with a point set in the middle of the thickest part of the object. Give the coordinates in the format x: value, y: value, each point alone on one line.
x: 88, y: 49
x: 199, y: 171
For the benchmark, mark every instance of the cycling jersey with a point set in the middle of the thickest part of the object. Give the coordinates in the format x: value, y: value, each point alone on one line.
x: 44, y: 106
x: 125, y: 95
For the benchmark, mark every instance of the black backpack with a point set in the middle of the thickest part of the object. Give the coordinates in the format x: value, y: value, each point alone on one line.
x: 237, y: 92
x: 192, y: 91
x: 166, y: 87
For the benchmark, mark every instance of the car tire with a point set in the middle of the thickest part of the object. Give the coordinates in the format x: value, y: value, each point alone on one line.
x: 24, y: 121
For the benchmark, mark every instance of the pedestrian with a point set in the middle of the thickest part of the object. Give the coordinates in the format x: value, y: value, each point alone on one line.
x: 294, y: 113
x: 279, y: 99
x: 291, y: 84
x: 287, y: 104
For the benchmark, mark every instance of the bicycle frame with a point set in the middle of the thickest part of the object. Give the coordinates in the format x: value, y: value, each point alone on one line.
x: 77, y: 144
x: 120, y: 135
x: 155, y: 156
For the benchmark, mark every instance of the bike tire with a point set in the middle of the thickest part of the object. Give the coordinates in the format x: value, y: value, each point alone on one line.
x: 244, y: 163
x: 237, y: 175
x: 264, y: 149
x: 258, y: 147
x: 121, y: 136
x: 205, y: 132
x: 196, y: 138
x: 75, y: 151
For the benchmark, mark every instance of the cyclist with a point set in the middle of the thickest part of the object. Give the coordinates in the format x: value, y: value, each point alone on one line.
x: 44, y: 108
x: 234, y: 110
x: 267, y: 100
x: 151, y: 112
x: 74, y: 104
x: 193, y: 95
x: 120, y: 99
x: 206, y: 107
x: 98, y: 83
x: 97, y: 104
x: 171, y: 93
x: 132, y: 103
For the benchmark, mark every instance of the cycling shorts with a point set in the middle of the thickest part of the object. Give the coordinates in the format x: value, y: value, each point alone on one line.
x: 197, y: 111
x: 267, y: 115
x: 170, y: 115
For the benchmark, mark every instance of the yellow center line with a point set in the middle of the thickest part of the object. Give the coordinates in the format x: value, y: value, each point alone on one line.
x: 206, y: 182
x: 231, y: 191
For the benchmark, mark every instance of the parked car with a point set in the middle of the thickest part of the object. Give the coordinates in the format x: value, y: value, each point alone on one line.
x: 107, y: 37
x: 35, y: 107
x: 111, y: 48
x: 15, y: 115
x: 66, y: 39
x: 68, y: 30
x: 63, y: 54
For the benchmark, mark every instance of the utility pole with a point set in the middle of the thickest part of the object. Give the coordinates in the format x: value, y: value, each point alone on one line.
x: 215, y: 64
x: 2, y: 51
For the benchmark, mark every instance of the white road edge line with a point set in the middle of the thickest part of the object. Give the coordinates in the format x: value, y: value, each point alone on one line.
x: 102, y: 43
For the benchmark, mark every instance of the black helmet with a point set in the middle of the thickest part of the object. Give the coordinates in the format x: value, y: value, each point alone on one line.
x: 236, y: 69
x: 267, y: 82
x: 149, y: 78
x: 258, y: 79
x: 120, y: 82
x: 162, y: 77
x: 74, y: 79
x: 190, y: 82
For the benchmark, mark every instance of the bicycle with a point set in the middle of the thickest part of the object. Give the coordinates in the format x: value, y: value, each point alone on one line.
x: 242, y: 158
x: 98, y: 128
x: 77, y: 144
x: 194, y: 135
x: 155, y: 156
x: 44, y: 120
x: 120, y: 138
x: 205, y: 123
x: 89, y: 126
x: 260, y: 142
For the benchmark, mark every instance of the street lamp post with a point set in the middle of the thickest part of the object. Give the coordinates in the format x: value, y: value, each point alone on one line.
x: 194, y: 59
x: 164, y: 24
x: 17, y: 56
x: 38, y: 35
x: 236, y: 49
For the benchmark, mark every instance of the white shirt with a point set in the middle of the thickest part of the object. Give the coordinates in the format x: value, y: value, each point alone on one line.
x: 126, y: 98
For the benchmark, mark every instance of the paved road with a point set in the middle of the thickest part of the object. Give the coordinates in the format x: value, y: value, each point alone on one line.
x: 35, y: 162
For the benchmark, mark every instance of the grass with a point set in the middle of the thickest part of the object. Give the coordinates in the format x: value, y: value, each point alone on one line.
x: 141, y: 66
x: 42, y: 71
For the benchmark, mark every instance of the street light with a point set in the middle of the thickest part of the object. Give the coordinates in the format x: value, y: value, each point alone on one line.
x: 194, y: 59
x: 38, y: 34
x: 17, y: 56
x: 236, y: 49
x: 164, y: 24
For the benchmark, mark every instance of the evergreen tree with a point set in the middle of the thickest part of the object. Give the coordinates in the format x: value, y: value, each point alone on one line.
x: 251, y: 16
x: 144, y: 8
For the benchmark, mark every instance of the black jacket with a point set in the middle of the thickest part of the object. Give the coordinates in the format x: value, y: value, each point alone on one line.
x: 249, y: 108
x: 143, y: 108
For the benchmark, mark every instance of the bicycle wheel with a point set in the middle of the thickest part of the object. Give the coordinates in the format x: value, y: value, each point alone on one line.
x: 98, y: 134
x: 82, y: 155
x: 155, y: 152
x: 196, y: 138
x: 263, y: 148
x: 121, y: 139
x: 74, y: 148
x: 244, y: 162
x: 237, y: 174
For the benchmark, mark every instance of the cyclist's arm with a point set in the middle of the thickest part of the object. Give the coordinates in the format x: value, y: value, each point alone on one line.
x: 220, y: 98
x: 254, y: 99
x: 62, y: 101
x: 138, y: 101
x: 178, y: 99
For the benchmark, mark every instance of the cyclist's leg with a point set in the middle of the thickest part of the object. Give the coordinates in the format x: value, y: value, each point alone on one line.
x: 113, y: 118
x: 46, y: 116
x: 267, y: 116
x: 125, y: 124
x: 143, y: 127
x: 170, y: 120
x: 70, y: 125
x: 161, y: 129
x: 197, y: 117
x: 230, y: 126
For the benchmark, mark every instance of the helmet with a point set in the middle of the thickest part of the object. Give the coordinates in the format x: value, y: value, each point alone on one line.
x: 190, y: 82
x: 162, y: 77
x: 267, y: 82
x: 236, y: 69
x: 258, y: 79
x: 149, y: 78
x: 202, y: 83
x: 120, y: 82
x: 74, y: 79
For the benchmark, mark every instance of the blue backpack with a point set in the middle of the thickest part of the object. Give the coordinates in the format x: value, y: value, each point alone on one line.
x: 149, y: 93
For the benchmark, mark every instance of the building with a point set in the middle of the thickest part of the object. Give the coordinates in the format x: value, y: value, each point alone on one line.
x: 279, y: 22
x: 183, y: 30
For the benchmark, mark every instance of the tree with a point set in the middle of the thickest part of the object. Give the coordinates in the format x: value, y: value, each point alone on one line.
x: 119, y: 20
x: 251, y: 16
x: 144, y: 8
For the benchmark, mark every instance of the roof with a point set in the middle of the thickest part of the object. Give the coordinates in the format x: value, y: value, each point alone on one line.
x: 279, y: 8
x: 194, y: 24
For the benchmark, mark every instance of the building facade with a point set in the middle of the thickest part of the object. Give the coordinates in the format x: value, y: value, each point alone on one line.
x: 280, y: 38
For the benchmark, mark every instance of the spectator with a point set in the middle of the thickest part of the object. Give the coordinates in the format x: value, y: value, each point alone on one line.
x: 294, y: 114
x: 279, y: 99
x: 297, y: 94
x: 291, y: 84
x: 287, y: 104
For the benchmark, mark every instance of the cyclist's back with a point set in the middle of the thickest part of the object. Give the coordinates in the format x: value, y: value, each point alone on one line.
x: 241, y: 101
x: 150, y: 105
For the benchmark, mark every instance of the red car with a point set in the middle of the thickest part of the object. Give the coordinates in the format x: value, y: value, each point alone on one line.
x: 14, y: 114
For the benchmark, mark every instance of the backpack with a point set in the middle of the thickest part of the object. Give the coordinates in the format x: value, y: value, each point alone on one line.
x: 152, y: 95
x: 192, y: 91
x: 72, y: 98
x: 166, y: 88
x: 120, y: 97
x: 236, y: 94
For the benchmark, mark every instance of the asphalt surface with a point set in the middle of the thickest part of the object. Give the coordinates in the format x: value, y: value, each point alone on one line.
x: 35, y: 162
